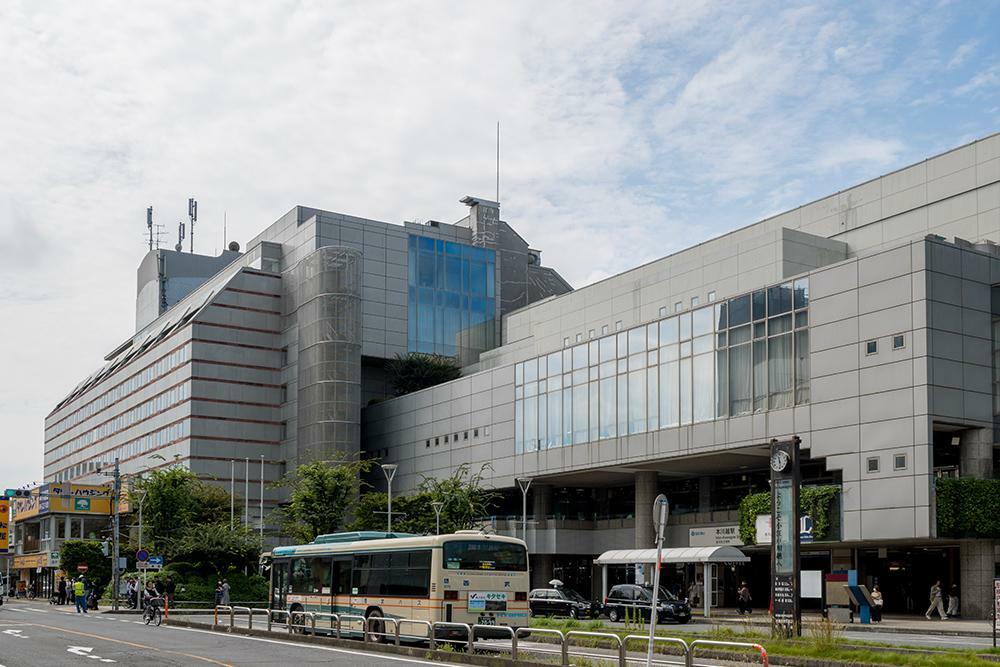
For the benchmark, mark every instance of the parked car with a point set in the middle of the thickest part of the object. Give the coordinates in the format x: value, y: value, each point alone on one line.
x: 561, y: 601
x: 634, y: 601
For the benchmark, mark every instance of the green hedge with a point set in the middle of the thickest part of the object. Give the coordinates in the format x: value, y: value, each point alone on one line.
x: 968, y: 507
x: 816, y: 501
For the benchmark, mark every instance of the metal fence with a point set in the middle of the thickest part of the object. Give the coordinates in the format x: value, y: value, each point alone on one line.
x: 376, y: 629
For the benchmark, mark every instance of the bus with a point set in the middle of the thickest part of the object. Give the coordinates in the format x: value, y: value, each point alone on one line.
x: 464, y: 577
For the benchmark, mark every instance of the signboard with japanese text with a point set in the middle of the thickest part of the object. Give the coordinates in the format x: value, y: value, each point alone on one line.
x: 64, y: 498
x: 4, y: 526
x: 785, y: 538
x: 715, y: 536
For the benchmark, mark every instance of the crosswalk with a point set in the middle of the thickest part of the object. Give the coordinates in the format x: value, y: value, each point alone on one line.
x: 95, y: 615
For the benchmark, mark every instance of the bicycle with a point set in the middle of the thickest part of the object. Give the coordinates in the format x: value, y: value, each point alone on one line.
x: 151, y: 611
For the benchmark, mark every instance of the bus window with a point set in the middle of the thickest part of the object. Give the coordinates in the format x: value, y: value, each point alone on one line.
x: 483, y: 555
x: 396, y: 573
x: 279, y: 580
x: 311, y: 576
x: 342, y: 576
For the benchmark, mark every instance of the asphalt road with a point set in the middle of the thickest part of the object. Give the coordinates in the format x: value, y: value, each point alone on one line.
x: 35, y: 634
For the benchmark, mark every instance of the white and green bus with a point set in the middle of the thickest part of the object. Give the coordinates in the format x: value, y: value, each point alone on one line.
x: 464, y: 577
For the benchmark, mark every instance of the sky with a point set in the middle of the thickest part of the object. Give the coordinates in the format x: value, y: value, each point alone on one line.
x: 628, y: 130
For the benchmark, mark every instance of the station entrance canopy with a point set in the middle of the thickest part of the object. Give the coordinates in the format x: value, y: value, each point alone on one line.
x: 707, y: 556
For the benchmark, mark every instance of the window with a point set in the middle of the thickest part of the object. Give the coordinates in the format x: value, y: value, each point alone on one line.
x: 871, y: 347
x: 475, y: 433
x: 590, y: 334
x: 899, y: 462
x: 427, y: 443
x: 663, y: 311
x: 604, y: 330
x: 483, y: 555
x: 284, y: 393
x: 396, y: 573
x: 446, y: 439
x: 437, y: 441
x: 873, y: 464
x: 711, y: 296
x: 678, y: 306
x: 618, y: 325
x: 284, y: 356
x: 898, y: 342
x: 465, y: 435
x: 695, y: 301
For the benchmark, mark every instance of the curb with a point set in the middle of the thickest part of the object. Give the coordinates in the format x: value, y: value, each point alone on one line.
x: 853, y: 627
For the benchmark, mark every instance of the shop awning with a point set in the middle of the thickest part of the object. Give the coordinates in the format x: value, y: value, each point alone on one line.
x: 682, y: 555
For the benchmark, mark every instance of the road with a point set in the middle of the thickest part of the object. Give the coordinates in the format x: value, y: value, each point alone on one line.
x: 34, y: 634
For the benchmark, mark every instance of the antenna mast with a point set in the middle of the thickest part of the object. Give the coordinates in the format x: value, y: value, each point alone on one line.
x: 193, y: 215
x: 498, y: 162
x: 149, y: 225
x: 180, y: 236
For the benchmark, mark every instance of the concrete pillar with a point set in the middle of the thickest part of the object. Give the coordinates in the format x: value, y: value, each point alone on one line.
x: 541, y: 502
x: 976, y: 454
x: 541, y: 570
x: 977, y: 562
x: 705, y: 494
x: 645, y: 494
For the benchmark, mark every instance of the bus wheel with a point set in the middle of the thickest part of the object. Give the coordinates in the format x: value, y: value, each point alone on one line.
x: 297, y: 619
x: 376, y: 627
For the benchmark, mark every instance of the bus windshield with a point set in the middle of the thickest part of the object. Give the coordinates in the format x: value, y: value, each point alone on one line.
x: 484, y: 555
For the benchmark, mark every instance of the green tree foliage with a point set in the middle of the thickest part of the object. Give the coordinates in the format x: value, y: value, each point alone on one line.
x: 464, y: 497
x: 215, y: 547
x: 816, y: 501
x: 75, y: 552
x: 321, y: 493
x: 968, y: 508
x: 175, y: 502
x: 415, y: 371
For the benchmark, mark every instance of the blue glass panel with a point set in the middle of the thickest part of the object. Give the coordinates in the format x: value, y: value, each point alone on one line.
x: 477, y: 278
x: 452, y: 248
x: 453, y: 274
x: 425, y: 270
x: 491, y: 279
x: 439, y: 245
x: 412, y: 241
x: 426, y: 243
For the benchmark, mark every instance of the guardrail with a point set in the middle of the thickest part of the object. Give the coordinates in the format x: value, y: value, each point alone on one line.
x: 374, y: 628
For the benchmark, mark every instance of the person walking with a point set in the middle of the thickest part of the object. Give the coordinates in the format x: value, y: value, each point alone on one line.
x: 953, y: 601
x: 225, y: 591
x: 61, y: 591
x: 169, y: 587
x: 937, y: 602
x: 693, y: 594
x: 80, y: 593
x: 743, y: 599
x: 877, y: 604
x: 218, y: 593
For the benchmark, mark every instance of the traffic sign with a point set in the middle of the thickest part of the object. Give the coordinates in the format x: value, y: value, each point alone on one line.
x: 82, y: 567
x: 661, y: 510
x: 141, y: 556
x: 151, y: 563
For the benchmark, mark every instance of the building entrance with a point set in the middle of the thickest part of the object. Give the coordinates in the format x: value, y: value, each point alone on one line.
x: 906, y: 575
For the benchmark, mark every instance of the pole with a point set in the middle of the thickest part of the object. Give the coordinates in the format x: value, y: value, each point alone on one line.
x: 232, y: 493
x: 389, y: 470
x: 114, y: 562
x: 660, y: 512
x: 246, y: 495
x: 437, y: 505
x: 524, y: 483
x: 390, y: 506
x: 498, y: 162
x: 140, y: 538
x: 262, y: 502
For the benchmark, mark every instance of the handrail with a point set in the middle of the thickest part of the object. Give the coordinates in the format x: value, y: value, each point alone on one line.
x: 548, y: 631
x: 450, y: 624
x: 333, y: 626
x: 430, y: 631
x: 714, y: 642
x: 599, y: 635
x: 232, y: 615
x: 272, y: 612
x: 685, y: 649
x: 225, y: 607
x: 492, y: 628
x: 355, y: 617
x: 257, y: 610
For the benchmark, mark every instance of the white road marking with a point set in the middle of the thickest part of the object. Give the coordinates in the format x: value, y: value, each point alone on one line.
x: 85, y: 652
x: 15, y: 633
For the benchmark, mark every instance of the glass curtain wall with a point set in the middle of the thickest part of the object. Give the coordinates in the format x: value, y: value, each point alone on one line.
x: 744, y: 355
x: 452, y: 298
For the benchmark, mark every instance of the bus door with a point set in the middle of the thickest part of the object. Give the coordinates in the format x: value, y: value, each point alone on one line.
x: 279, y: 583
x: 341, y: 579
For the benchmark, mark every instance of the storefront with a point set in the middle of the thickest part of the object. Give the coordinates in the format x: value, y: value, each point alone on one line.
x: 35, y: 575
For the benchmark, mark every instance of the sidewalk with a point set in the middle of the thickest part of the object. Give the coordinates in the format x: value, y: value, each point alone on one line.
x: 890, y: 623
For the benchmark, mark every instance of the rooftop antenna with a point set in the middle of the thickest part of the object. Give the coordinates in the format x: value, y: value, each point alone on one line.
x: 180, y: 236
x: 149, y: 225
x: 193, y: 214
x: 498, y: 162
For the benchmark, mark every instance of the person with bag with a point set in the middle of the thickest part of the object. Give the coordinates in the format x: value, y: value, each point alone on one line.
x: 877, y: 604
x: 937, y: 602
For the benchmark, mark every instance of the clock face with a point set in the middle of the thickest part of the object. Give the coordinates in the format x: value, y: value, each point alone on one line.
x: 779, y: 460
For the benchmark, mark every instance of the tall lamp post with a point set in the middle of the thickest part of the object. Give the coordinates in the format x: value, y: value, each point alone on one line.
x: 437, y: 505
x: 389, y: 470
x: 524, y: 483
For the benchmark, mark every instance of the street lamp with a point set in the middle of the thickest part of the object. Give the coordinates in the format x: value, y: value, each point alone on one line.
x: 524, y: 483
x: 437, y: 505
x: 389, y: 470
x: 115, y: 493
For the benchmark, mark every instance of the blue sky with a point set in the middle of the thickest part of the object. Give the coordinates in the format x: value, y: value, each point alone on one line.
x: 629, y: 130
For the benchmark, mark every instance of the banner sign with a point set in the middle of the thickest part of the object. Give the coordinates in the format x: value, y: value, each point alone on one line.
x: 785, y: 583
x: 715, y: 536
x: 4, y: 526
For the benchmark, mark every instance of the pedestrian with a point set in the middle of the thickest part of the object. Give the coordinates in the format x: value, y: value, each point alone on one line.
x: 743, y: 598
x: 876, y: 604
x: 225, y: 591
x: 953, y: 601
x: 937, y: 602
x: 61, y: 591
x: 693, y: 593
x: 218, y: 593
x: 169, y: 587
x: 80, y: 593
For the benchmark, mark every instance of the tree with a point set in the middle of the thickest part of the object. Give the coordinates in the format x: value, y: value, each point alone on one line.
x: 218, y: 547
x: 465, y: 500
x: 77, y: 552
x: 415, y: 371
x: 321, y: 493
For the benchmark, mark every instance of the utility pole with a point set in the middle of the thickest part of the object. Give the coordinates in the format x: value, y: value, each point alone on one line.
x: 114, y: 558
x: 246, y: 495
x: 261, y: 502
x: 389, y: 470
x: 524, y: 483
x: 437, y: 505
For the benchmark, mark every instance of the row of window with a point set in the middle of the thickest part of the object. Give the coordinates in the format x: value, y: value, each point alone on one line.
x: 141, y: 445
x: 898, y: 343
x: 454, y: 437
x: 129, y: 386
x: 745, y: 355
x: 678, y: 307
x: 874, y: 463
x: 132, y: 416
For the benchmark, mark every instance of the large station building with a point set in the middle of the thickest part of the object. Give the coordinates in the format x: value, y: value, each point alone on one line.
x: 863, y: 322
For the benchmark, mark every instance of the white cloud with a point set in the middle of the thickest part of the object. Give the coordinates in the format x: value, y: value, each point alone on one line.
x: 629, y: 130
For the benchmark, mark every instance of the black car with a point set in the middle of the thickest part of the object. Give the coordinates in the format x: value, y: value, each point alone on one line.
x: 634, y: 601
x: 561, y: 601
